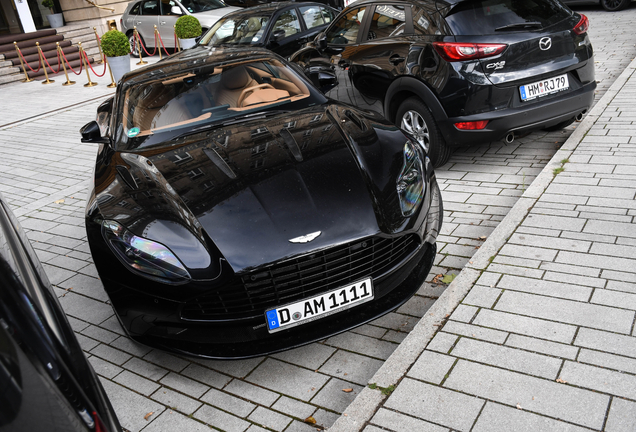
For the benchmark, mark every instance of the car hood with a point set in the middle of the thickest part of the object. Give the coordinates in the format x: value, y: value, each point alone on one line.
x: 251, y: 191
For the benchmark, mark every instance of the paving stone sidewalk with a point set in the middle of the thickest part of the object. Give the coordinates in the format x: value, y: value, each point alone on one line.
x: 537, y: 332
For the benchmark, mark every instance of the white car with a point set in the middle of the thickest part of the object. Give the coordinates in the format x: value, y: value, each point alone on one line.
x: 146, y: 14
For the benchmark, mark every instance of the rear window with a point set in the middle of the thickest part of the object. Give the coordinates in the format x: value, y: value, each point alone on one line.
x: 483, y: 17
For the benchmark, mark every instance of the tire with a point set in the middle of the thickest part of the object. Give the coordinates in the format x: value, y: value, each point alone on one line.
x: 133, y: 45
x: 415, y: 118
x: 615, y: 5
x: 560, y: 126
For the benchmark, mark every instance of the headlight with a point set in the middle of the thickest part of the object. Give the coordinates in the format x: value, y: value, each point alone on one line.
x: 152, y: 259
x: 410, y: 182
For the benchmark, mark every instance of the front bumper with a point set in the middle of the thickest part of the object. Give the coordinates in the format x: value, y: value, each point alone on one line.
x: 154, y: 319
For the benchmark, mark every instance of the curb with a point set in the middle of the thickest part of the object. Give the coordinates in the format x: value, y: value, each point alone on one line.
x: 364, y: 406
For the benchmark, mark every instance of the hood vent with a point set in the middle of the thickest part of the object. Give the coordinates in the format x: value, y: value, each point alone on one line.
x: 127, y: 177
x: 219, y: 162
x: 291, y: 144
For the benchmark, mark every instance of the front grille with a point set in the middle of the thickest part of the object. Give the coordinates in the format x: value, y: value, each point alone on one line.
x: 252, y: 293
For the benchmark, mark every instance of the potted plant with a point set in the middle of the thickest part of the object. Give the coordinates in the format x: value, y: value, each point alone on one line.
x: 55, y: 19
x: 187, y: 28
x: 116, y: 48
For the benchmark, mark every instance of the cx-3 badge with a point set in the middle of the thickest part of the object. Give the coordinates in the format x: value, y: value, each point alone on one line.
x: 306, y: 238
x: 545, y: 43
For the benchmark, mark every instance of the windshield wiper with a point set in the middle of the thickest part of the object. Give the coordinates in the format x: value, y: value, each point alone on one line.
x: 230, y: 121
x: 528, y: 24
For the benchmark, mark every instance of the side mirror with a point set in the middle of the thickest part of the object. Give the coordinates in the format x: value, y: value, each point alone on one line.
x: 327, y: 80
x: 90, y: 134
x: 321, y: 41
x: 176, y: 10
x: 277, y: 35
x: 322, y: 75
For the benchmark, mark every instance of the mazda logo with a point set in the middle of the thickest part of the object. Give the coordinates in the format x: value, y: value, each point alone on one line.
x: 545, y: 43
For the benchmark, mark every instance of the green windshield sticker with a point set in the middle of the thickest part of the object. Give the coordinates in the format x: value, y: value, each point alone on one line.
x: 134, y: 132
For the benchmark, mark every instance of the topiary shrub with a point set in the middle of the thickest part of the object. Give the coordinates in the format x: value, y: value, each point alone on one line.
x: 187, y: 27
x: 49, y: 4
x: 115, y: 44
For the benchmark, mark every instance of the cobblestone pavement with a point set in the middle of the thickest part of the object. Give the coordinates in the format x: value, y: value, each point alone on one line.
x: 44, y: 175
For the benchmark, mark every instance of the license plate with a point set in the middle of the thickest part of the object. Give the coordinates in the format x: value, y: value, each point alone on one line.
x: 320, y: 306
x: 544, y: 87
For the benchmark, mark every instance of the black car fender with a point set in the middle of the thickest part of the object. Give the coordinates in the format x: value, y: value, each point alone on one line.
x: 400, y: 89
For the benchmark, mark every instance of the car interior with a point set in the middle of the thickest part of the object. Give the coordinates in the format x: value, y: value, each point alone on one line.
x: 219, y: 93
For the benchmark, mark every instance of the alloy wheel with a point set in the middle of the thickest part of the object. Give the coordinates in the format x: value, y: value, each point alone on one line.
x: 414, y: 123
x: 133, y: 45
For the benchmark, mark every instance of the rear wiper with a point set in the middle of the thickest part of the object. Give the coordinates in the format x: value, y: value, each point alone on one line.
x: 528, y: 24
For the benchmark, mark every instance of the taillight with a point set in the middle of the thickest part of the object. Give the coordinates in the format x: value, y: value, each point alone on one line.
x: 582, y: 26
x: 475, y: 125
x: 458, y: 51
x: 99, y: 425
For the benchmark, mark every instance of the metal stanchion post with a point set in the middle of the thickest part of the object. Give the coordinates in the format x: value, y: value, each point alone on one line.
x: 61, y: 56
x: 138, y: 42
x: 157, y: 42
x: 101, y: 54
x: 26, y: 75
x: 46, y: 75
x: 81, y: 51
x: 176, y: 38
x: 112, y: 79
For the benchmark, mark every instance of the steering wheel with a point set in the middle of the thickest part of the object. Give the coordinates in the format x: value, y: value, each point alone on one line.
x: 249, y: 90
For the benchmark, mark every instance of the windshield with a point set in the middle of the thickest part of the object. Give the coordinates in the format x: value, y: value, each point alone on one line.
x: 238, y: 30
x: 194, y: 6
x: 485, y: 17
x: 158, y: 110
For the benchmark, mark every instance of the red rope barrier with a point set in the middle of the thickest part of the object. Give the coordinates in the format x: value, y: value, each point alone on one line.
x: 29, y: 66
x: 58, y: 63
x: 161, y: 41
x: 144, y: 48
x: 70, y: 67
x: 90, y: 66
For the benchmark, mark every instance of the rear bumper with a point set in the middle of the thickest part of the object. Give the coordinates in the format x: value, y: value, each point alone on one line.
x: 521, y: 118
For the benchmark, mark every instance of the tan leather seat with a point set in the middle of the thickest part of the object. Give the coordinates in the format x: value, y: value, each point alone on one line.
x: 233, y: 82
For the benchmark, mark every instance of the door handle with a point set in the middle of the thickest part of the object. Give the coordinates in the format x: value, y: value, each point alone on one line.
x: 137, y: 22
x: 162, y: 22
x: 396, y: 59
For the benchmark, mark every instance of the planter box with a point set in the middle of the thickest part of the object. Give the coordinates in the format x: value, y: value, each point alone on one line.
x: 187, y: 43
x: 56, y: 20
x: 119, y: 66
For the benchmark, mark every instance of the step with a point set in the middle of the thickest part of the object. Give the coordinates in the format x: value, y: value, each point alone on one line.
x: 4, y: 63
x: 9, y: 39
x: 84, y: 31
x: 31, y: 42
x: 52, y: 54
x: 9, y: 70
x: 11, y: 79
x: 33, y: 50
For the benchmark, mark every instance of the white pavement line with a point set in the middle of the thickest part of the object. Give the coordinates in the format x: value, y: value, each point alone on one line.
x: 53, y: 112
x: 364, y: 406
x: 43, y: 202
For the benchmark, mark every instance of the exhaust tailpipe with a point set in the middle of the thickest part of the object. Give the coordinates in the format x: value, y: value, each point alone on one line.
x: 579, y: 116
x: 510, y: 138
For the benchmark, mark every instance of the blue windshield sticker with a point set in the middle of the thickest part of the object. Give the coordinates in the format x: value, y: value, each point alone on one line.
x: 133, y: 132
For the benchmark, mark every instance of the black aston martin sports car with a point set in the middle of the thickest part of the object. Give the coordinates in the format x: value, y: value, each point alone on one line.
x: 46, y: 382
x: 236, y: 211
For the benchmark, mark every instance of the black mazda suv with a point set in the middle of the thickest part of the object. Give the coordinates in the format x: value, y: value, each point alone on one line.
x: 460, y: 72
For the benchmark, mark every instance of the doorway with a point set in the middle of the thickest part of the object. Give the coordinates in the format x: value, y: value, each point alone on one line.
x: 9, y: 19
